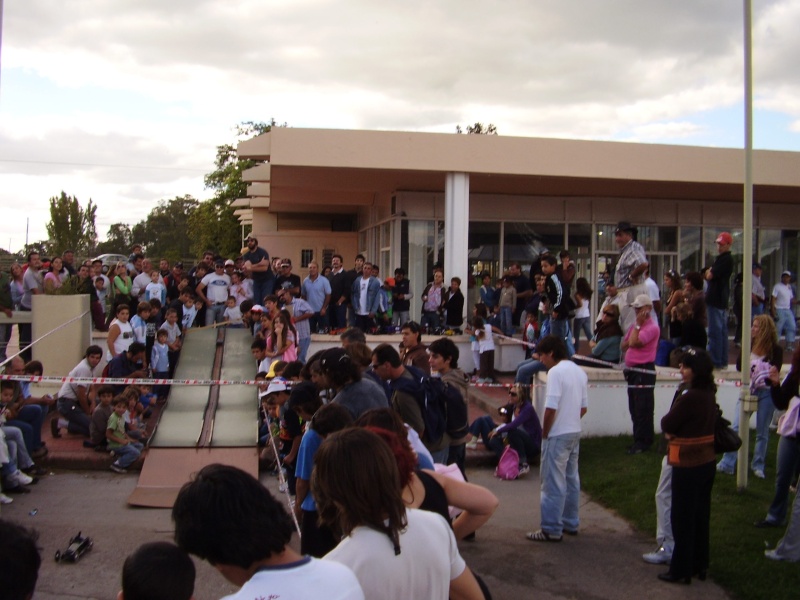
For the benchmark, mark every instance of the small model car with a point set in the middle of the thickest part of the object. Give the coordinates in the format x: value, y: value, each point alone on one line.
x: 78, y: 546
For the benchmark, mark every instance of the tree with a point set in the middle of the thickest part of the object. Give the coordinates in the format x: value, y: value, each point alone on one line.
x: 165, y: 231
x: 478, y: 129
x: 118, y: 240
x: 213, y: 224
x: 70, y: 226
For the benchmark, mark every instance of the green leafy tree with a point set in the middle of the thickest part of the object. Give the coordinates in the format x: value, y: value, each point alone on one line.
x: 478, y: 129
x: 70, y: 226
x: 165, y: 231
x: 213, y: 224
x: 118, y: 240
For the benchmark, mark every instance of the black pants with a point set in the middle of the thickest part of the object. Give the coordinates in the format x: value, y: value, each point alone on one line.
x: 691, y: 514
x: 641, y: 404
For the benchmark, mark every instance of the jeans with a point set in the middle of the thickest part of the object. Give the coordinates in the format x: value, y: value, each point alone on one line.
x: 527, y: 369
x: 127, y: 455
x: 506, y: 325
x: 13, y: 434
x: 302, y: 349
x: 338, y: 315
x: 30, y: 420
x: 641, y: 404
x: 788, y: 547
x: 664, y: 536
x: 262, y: 289
x: 400, y: 317
x: 215, y: 313
x: 430, y: 319
x: 785, y: 324
x: 718, y: 335
x: 78, y: 420
x: 440, y: 456
x: 561, y: 485
x: 582, y: 324
x: 763, y: 418
x: 788, y: 456
x: 517, y: 438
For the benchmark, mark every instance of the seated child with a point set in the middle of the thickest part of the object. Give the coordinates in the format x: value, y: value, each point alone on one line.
x: 157, y: 570
x: 100, y: 415
x: 146, y: 398
x: 125, y: 448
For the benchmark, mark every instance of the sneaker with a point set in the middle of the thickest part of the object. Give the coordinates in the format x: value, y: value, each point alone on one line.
x: 20, y: 478
x: 773, y: 555
x: 759, y: 473
x: 659, y: 557
x: 473, y: 445
x: 5, y: 499
x: 524, y: 469
x: 725, y: 470
x: 117, y: 469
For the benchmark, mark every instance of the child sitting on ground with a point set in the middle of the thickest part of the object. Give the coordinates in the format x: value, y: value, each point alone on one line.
x: 100, y: 415
x: 125, y: 448
x: 157, y: 570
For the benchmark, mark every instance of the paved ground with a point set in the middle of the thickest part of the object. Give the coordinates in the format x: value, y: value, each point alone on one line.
x: 603, y: 561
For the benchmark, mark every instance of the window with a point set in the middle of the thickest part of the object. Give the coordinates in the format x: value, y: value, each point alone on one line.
x: 306, y: 256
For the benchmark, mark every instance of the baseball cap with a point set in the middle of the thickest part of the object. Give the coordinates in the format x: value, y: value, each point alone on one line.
x: 642, y: 300
x: 286, y: 262
x: 219, y: 263
x: 277, y: 385
x: 789, y: 273
x: 724, y: 238
x: 623, y: 226
x: 257, y: 308
x: 229, y: 262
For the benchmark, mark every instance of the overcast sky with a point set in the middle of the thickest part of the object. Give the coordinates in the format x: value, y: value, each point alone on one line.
x: 125, y: 102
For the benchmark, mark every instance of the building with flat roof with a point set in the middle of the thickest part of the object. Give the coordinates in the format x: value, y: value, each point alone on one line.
x: 476, y: 203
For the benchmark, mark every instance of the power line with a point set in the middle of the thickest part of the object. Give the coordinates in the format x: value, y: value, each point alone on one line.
x: 81, y: 164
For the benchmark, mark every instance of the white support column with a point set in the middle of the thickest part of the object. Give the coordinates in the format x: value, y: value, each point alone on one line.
x: 456, y: 228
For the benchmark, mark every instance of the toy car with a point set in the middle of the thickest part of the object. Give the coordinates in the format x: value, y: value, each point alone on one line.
x: 78, y: 546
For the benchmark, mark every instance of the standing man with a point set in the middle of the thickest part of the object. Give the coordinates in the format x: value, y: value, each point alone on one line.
x: 522, y: 285
x: 433, y: 301
x: 68, y: 260
x: 717, y: 294
x: 640, y: 346
x: 365, y: 300
x: 257, y: 266
x: 352, y: 275
x: 628, y: 274
x: 213, y: 289
x: 781, y: 309
x: 758, y: 293
x: 566, y: 402
x: 412, y: 351
x: 317, y: 292
x: 287, y: 280
x: 401, y: 297
x: 340, y: 293
x: 142, y: 280
x: 32, y: 284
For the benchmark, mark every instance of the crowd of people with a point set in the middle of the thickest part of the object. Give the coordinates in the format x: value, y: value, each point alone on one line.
x: 368, y: 407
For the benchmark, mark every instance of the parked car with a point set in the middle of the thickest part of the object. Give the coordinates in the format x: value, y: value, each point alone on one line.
x: 109, y: 260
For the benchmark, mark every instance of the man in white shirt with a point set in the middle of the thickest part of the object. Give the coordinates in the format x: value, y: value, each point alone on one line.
x: 566, y: 403
x: 214, y: 290
x: 781, y: 307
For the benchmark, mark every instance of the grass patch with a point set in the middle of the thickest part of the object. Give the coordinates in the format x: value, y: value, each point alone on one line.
x: 626, y: 485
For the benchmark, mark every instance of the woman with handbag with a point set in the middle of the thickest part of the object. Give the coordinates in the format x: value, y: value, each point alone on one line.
x: 689, y: 429
x: 766, y: 354
x: 784, y: 397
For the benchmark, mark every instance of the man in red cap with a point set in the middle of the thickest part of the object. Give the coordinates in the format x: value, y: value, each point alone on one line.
x: 717, y: 294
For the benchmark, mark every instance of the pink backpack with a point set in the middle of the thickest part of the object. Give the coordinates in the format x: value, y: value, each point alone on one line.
x: 508, y: 467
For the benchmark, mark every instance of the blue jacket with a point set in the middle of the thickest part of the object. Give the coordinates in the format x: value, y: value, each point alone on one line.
x: 373, y: 302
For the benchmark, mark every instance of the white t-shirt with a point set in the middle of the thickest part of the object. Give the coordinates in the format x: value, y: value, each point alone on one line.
x: 783, y: 295
x: 427, y: 562
x: 82, y: 369
x: 363, y: 309
x: 486, y: 343
x: 234, y: 315
x: 306, y: 578
x: 567, y: 393
x: 216, y: 287
x: 655, y: 296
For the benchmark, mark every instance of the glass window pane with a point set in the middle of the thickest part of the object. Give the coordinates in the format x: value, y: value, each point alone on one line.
x: 690, y: 249
x: 524, y: 242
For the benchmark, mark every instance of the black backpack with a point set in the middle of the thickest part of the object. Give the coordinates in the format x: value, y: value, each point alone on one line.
x: 442, y: 407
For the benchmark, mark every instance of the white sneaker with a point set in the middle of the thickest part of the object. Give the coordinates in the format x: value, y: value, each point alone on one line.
x: 472, y: 444
x: 5, y: 499
x: 660, y: 557
x: 759, y: 473
x: 21, y: 478
x: 773, y: 554
x: 524, y: 469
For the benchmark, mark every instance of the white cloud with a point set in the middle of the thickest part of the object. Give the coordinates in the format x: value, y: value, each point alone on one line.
x: 178, y: 75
